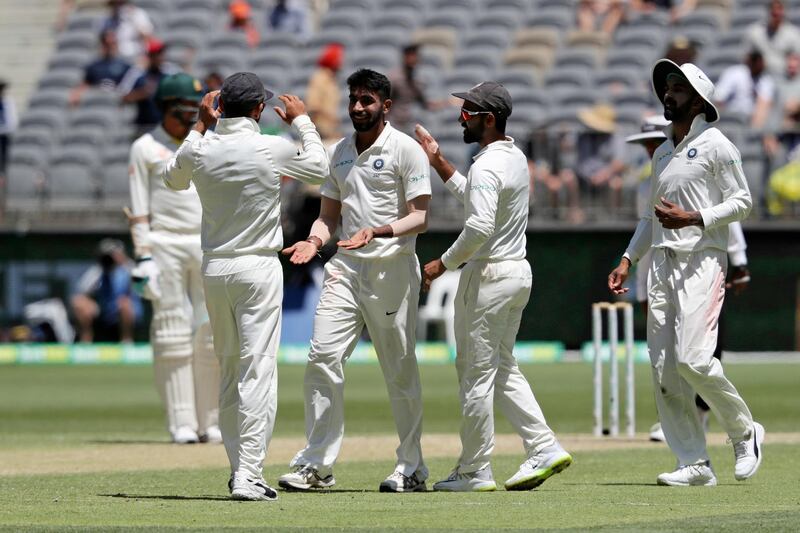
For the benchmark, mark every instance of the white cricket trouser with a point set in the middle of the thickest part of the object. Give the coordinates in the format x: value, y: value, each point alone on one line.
x: 186, y: 371
x: 685, y: 295
x: 245, y: 311
x: 488, y: 310
x: 382, y: 294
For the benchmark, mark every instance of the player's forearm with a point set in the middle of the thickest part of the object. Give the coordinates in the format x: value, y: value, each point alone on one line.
x: 411, y: 224
x: 641, y: 241
x: 322, y: 229
x: 311, y: 165
x: 443, y: 167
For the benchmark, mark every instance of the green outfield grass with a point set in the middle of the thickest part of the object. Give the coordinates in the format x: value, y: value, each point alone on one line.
x: 56, y: 408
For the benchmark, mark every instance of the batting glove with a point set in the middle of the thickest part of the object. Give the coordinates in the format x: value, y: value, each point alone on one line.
x: 145, y: 278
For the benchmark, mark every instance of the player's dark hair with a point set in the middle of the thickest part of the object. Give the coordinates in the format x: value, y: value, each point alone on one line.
x: 374, y: 82
x: 500, y: 123
x: 238, y: 110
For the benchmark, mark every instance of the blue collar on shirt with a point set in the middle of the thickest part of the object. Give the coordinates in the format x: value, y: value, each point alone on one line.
x: 506, y: 144
x: 226, y: 126
x: 379, y: 142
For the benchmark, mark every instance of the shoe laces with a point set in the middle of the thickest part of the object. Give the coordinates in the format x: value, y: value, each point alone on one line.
x: 454, y: 475
x: 532, y: 461
x: 398, y: 476
x: 307, y: 472
x: 740, y: 448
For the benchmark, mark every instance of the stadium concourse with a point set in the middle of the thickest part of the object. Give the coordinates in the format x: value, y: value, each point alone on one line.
x: 69, y: 158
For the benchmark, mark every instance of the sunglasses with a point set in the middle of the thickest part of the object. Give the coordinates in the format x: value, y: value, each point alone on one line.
x: 466, y: 114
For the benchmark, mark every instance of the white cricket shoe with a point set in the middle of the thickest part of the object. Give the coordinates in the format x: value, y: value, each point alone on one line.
x: 537, y: 468
x: 399, y: 482
x: 212, y: 435
x: 185, y: 435
x: 305, y: 477
x: 656, y: 433
x: 748, y: 453
x: 689, y: 475
x: 245, y: 488
x: 479, y: 481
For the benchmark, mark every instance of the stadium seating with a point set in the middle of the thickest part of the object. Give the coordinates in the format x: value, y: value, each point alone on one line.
x: 531, y: 46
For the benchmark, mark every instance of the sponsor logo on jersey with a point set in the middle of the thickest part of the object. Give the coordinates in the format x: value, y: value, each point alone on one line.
x: 343, y: 162
x: 414, y: 179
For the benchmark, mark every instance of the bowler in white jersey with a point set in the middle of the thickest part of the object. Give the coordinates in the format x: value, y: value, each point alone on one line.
x: 380, y: 188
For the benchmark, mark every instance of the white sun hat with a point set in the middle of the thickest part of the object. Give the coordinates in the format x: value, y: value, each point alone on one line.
x: 696, y: 78
x: 652, y: 128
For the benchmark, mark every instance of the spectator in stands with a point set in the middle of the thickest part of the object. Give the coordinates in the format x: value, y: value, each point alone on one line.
x: 323, y: 97
x: 677, y: 8
x: 408, y: 92
x: 600, y: 15
x: 789, y: 106
x: 106, y: 308
x: 601, y: 154
x: 747, y: 90
x: 681, y: 50
x: 105, y: 72
x: 775, y: 38
x: 132, y: 26
x: 241, y: 21
x: 551, y: 176
x: 213, y: 81
x: 8, y: 124
x: 143, y: 90
x: 290, y: 17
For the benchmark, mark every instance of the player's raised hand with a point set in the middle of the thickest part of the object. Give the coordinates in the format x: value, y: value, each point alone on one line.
x: 431, y: 271
x: 301, y: 252
x: 428, y: 143
x: 618, y: 276
x: 294, y: 108
x: 209, y: 113
x: 362, y: 238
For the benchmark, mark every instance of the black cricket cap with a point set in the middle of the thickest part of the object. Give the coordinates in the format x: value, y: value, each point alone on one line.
x: 244, y: 88
x: 490, y: 96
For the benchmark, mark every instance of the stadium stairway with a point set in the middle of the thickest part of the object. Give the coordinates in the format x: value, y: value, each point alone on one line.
x: 26, y: 42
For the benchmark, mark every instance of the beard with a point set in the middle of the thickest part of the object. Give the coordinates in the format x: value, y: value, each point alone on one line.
x: 367, y: 124
x: 472, y: 136
x: 677, y: 113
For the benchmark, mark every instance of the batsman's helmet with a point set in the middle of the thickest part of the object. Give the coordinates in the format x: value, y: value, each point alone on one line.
x: 180, y: 86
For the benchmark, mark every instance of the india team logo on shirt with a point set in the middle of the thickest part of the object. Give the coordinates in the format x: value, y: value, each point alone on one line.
x: 692, y: 153
x: 378, y: 164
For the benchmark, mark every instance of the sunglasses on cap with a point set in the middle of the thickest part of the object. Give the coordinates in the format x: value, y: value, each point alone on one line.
x: 466, y: 114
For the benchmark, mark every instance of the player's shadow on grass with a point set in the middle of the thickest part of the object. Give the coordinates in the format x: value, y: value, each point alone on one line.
x: 128, y: 441
x: 614, y: 484
x: 165, y: 497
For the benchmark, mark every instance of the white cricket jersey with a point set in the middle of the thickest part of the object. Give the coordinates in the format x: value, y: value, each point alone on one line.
x: 237, y: 172
x: 175, y: 211
x: 374, y: 187
x: 495, y: 195
x: 702, y: 173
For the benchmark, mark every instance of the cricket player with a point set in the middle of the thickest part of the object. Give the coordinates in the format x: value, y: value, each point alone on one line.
x: 650, y: 138
x: 493, y: 289
x: 380, y: 188
x: 165, y: 227
x: 237, y: 172
x: 698, y: 189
